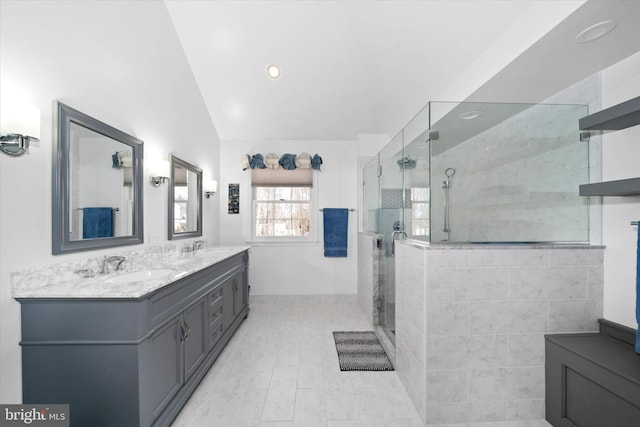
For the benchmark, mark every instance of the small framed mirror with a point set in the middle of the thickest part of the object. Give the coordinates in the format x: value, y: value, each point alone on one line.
x: 185, y: 200
x: 97, y: 184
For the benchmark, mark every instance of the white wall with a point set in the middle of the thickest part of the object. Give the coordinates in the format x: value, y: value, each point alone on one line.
x: 620, y: 160
x: 294, y: 268
x: 121, y: 63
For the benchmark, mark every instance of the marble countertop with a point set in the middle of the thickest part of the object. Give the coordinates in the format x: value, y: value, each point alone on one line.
x: 68, y: 284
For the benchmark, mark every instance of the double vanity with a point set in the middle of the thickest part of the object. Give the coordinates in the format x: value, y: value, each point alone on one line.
x: 124, y: 340
x: 129, y: 348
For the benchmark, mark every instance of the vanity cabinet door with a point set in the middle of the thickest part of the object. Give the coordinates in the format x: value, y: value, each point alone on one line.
x: 239, y: 294
x: 166, y: 365
x: 195, y: 348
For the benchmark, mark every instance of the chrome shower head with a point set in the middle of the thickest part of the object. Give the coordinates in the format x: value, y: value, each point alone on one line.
x: 407, y: 163
x: 450, y: 172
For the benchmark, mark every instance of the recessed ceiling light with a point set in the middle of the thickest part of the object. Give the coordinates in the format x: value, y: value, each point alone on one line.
x: 470, y: 115
x: 273, y: 71
x: 596, y: 31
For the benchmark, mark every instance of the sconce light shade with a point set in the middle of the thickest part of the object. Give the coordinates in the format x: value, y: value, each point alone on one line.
x: 210, y: 188
x: 159, y: 171
x: 19, y: 125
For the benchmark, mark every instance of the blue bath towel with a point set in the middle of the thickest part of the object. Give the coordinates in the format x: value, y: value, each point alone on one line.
x: 336, y: 223
x: 97, y: 222
x: 638, y: 293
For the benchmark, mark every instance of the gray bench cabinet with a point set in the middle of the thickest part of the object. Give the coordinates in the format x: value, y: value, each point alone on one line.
x: 593, y: 379
x: 131, y: 361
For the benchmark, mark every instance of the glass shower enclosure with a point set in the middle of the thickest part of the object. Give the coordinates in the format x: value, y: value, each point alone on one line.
x: 477, y: 173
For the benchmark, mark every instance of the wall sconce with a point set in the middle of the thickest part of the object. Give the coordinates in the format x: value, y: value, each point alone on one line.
x: 159, y: 171
x: 210, y: 188
x: 19, y: 126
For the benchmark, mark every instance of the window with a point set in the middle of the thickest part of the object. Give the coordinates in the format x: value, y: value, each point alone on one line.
x: 180, y: 208
x: 420, y: 211
x: 282, y: 212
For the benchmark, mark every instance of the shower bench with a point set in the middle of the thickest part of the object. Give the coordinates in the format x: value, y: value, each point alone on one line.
x: 593, y: 379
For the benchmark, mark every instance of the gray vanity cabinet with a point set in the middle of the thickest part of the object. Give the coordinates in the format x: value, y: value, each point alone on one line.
x: 131, y: 362
x: 235, y: 297
x: 177, y: 351
x: 240, y: 294
x: 165, y: 368
x: 195, y: 337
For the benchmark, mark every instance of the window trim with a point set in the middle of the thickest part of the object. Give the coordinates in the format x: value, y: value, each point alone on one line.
x: 312, y: 237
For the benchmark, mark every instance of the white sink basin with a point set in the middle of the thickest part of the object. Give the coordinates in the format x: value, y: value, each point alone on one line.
x: 211, y: 250
x: 135, y: 276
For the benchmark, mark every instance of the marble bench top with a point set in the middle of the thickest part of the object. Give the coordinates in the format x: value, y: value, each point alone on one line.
x: 64, y: 283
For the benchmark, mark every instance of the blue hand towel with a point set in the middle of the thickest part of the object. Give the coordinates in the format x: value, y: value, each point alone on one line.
x: 288, y: 161
x: 638, y: 293
x: 336, y: 223
x: 115, y: 161
x: 257, y: 161
x: 97, y: 222
x: 316, y: 161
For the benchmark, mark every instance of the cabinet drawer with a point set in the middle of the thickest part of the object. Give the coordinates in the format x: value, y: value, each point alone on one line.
x: 177, y: 296
x: 216, y: 311
x: 216, y: 329
x: 215, y: 299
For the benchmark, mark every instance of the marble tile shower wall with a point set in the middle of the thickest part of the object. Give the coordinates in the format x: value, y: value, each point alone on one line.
x: 517, y: 181
x: 471, y: 325
x: 368, y: 273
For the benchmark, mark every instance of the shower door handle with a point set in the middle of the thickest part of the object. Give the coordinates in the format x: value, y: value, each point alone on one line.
x: 393, y: 240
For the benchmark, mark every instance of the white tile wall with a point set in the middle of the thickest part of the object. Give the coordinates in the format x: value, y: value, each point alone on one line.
x: 471, y: 325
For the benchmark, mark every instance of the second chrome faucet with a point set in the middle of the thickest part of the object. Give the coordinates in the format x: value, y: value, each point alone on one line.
x: 114, y: 262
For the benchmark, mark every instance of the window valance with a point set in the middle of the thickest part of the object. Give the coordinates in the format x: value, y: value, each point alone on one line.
x: 287, y: 161
x: 300, y: 177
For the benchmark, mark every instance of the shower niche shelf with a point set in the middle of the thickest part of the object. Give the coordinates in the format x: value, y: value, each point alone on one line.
x: 620, y: 116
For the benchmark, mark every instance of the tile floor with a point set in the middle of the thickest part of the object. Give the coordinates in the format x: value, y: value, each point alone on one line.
x: 281, y: 370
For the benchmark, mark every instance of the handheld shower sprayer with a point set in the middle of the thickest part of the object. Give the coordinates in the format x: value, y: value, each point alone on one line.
x: 446, y: 185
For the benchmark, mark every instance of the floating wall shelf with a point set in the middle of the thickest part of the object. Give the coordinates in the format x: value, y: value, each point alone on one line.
x: 622, y: 187
x: 618, y: 117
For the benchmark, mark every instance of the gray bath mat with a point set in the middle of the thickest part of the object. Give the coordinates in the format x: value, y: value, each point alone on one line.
x: 361, y: 351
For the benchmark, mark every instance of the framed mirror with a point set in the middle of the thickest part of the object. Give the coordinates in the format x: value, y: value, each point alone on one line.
x: 97, y: 196
x: 185, y: 200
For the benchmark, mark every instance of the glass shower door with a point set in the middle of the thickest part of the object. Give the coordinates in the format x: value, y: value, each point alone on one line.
x: 416, y: 177
x: 390, y: 226
x: 371, y: 195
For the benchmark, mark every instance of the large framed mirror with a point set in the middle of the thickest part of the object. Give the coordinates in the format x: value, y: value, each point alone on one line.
x: 185, y: 200
x: 97, y: 184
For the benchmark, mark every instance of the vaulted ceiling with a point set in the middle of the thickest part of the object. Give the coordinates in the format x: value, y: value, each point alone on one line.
x: 353, y: 67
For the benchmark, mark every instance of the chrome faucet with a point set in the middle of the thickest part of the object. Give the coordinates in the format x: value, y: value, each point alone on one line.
x: 197, y: 244
x: 115, y: 261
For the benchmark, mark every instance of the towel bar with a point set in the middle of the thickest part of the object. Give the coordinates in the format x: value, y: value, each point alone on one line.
x: 113, y: 209
x: 350, y: 210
